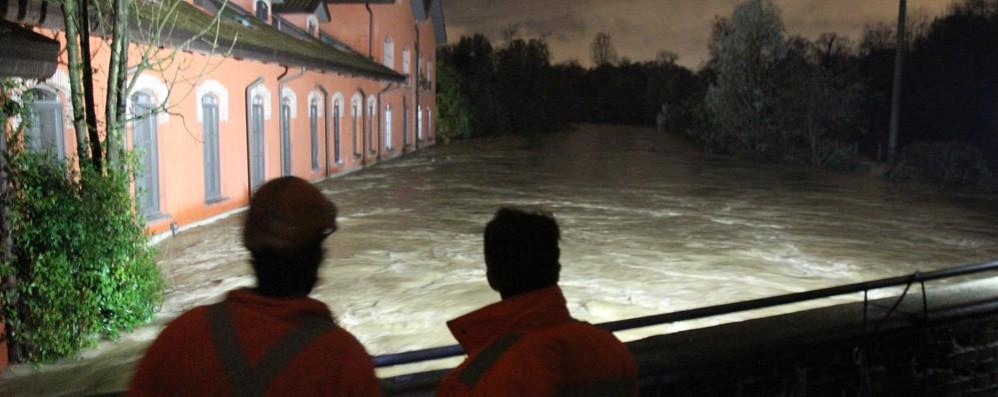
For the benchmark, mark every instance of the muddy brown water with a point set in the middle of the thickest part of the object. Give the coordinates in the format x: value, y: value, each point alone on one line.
x: 649, y: 224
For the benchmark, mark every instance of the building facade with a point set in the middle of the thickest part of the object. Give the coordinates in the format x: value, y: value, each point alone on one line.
x: 310, y: 88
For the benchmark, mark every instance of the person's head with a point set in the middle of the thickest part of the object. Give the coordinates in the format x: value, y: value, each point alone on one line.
x: 521, y: 251
x: 287, y: 222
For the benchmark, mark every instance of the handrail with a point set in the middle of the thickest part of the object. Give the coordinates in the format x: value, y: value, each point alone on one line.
x: 434, y: 353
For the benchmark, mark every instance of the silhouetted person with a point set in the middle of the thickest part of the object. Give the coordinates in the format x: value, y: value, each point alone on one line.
x: 272, y: 340
x: 528, y: 344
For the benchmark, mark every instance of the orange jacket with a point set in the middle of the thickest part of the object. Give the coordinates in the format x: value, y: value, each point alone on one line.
x: 184, y: 359
x: 529, y: 345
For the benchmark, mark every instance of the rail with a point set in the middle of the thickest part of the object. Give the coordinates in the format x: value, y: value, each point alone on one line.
x: 435, y: 353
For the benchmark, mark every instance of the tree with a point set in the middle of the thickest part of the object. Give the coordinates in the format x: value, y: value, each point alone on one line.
x: 951, y: 86
x: 746, y: 51
x: 453, y: 115
x: 473, y: 61
x: 81, y: 266
x: 818, y: 101
x: 602, y: 51
x: 666, y: 57
x: 781, y: 99
x: 523, y: 67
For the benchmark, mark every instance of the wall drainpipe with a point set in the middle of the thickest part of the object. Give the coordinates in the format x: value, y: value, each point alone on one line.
x: 363, y: 129
x: 325, y: 118
x: 370, y: 30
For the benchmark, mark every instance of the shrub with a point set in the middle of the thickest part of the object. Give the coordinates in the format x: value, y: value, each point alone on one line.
x: 946, y: 164
x: 838, y: 157
x: 453, y: 117
x: 81, y: 263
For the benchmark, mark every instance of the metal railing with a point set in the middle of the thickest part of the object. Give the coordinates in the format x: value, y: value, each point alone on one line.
x: 435, y: 353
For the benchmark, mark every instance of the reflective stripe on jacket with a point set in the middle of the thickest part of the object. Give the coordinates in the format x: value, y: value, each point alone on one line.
x: 529, y: 345
x: 185, y: 359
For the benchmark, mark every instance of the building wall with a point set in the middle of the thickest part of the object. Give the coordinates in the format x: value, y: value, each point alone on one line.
x: 180, y: 131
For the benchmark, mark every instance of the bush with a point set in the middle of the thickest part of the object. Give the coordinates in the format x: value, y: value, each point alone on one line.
x: 838, y: 157
x: 453, y: 117
x: 947, y: 164
x: 81, y: 263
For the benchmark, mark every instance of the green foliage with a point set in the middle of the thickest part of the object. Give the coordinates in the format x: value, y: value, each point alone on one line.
x: 746, y: 52
x: 454, y: 117
x: 838, y: 157
x: 951, y: 88
x: 527, y: 93
x: 82, y: 265
x: 781, y: 99
x: 512, y: 88
x: 946, y: 164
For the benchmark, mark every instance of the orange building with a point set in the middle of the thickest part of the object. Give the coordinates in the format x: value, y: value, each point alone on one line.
x: 311, y: 88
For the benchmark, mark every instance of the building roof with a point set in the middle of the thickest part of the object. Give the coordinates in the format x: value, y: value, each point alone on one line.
x: 26, y: 54
x: 431, y: 9
x: 243, y: 36
x: 439, y: 27
x: 238, y: 34
x: 298, y: 6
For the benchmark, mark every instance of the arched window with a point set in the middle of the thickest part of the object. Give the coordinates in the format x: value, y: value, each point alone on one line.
x: 419, y: 123
x: 337, y: 111
x: 313, y: 126
x: 285, y: 136
x: 405, y: 124
x: 212, y: 165
x: 406, y: 61
x: 355, y: 109
x: 388, y: 127
x: 372, y: 112
x: 262, y: 11
x: 145, y: 142
x: 45, y: 130
x: 257, y: 171
x: 389, y: 53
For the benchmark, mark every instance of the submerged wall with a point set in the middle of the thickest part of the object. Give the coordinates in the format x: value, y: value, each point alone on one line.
x: 947, y: 347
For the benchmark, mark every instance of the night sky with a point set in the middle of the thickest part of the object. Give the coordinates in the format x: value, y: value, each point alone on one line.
x: 640, y: 28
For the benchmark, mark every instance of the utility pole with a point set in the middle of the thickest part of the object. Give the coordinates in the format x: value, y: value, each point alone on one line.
x: 896, y: 96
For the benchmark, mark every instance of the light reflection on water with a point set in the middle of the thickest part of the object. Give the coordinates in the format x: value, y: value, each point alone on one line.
x: 649, y: 225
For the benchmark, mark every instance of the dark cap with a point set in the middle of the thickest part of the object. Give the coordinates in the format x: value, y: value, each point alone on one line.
x: 288, y: 213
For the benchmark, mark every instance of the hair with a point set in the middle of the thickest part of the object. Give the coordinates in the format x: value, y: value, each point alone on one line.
x: 521, y: 251
x: 287, y: 273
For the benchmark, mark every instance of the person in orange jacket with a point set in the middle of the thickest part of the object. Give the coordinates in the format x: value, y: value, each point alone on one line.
x: 528, y: 344
x: 272, y: 340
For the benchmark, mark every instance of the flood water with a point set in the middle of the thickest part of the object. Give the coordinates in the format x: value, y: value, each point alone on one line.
x: 649, y: 225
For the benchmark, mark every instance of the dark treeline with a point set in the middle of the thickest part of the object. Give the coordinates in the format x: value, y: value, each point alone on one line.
x: 486, y: 90
x: 514, y: 88
x: 762, y: 94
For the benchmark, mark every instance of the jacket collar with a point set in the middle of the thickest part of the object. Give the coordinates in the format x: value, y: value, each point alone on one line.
x: 288, y: 309
x: 531, y: 310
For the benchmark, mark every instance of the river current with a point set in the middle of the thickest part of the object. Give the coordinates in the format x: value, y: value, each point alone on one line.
x: 649, y: 224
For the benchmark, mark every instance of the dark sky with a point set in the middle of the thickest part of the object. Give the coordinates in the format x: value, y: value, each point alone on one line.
x: 642, y: 27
